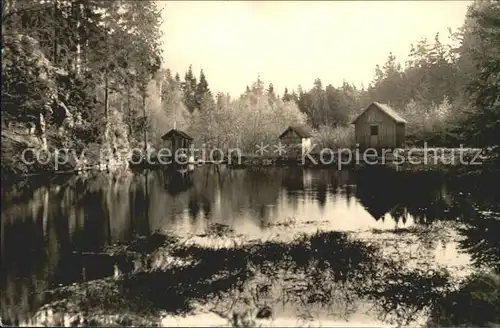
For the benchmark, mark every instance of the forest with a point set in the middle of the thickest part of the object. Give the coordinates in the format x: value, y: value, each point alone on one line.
x: 89, y: 75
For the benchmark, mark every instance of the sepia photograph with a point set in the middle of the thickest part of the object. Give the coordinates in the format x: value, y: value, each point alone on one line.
x: 250, y: 163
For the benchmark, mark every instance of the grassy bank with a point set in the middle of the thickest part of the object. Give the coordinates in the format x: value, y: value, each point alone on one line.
x: 418, y: 159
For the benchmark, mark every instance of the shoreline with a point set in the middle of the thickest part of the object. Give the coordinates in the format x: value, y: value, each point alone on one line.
x: 448, y: 161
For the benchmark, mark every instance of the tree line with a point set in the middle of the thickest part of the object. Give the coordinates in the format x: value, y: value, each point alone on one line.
x: 79, y: 71
x: 90, y: 73
x: 437, y: 90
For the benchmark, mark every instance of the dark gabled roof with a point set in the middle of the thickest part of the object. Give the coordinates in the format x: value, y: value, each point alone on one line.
x: 176, y: 132
x: 303, y: 131
x: 386, y: 109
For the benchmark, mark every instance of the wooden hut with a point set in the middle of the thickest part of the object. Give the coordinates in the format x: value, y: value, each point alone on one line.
x: 296, y: 139
x: 379, y: 126
x: 178, y: 140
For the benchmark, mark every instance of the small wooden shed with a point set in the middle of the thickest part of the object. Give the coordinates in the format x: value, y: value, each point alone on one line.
x: 296, y: 139
x: 379, y: 126
x: 178, y: 140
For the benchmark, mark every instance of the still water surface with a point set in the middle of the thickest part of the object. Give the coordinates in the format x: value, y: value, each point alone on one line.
x: 53, y: 233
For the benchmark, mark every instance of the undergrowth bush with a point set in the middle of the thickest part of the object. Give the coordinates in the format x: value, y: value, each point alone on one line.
x: 475, y: 303
x: 433, y: 125
x: 334, y: 137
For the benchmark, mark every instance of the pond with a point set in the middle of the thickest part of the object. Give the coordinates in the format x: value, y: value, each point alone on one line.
x: 365, y: 247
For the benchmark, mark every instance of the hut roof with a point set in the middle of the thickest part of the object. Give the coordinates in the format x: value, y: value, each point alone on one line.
x: 386, y: 109
x: 377, y: 206
x: 302, y: 130
x: 180, y: 133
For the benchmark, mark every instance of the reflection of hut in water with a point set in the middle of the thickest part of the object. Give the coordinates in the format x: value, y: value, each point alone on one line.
x: 349, y: 191
x: 307, y: 179
x: 139, y: 203
x: 176, y: 182
x: 399, y: 214
x: 194, y: 206
x: 257, y: 190
x: 321, y: 193
x: 378, y: 191
x: 378, y: 207
x: 293, y: 179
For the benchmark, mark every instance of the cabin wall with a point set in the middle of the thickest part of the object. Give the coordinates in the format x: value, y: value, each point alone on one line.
x: 178, y: 142
x: 386, y: 137
x: 292, y: 142
x: 400, y: 135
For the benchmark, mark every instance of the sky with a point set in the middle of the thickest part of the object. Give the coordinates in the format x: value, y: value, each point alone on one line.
x: 291, y: 43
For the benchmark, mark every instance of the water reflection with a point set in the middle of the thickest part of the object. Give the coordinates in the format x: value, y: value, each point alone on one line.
x: 290, y: 277
x: 63, y: 226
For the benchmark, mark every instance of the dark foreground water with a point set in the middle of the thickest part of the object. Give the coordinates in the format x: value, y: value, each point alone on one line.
x: 368, y: 247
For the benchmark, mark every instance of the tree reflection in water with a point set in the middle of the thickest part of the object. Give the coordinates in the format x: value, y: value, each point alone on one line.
x: 329, y: 273
x: 66, y: 226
